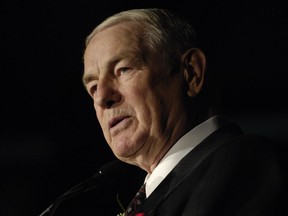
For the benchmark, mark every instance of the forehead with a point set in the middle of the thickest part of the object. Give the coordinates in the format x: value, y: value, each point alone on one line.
x: 111, y: 45
x: 123, y: 35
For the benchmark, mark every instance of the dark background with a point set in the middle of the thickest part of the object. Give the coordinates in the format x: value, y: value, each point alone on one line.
x: 50, y: 139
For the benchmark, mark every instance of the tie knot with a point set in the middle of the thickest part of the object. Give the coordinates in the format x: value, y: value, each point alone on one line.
x: 141, y: 192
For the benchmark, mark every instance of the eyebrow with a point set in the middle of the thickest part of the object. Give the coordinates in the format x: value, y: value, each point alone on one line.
x: 88, y: 78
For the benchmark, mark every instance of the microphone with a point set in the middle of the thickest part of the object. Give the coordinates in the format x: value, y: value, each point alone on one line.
x: 109, y: 170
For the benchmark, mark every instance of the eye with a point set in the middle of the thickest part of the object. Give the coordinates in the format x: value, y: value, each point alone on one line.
x: 92, y: 90
x: 123, y: 70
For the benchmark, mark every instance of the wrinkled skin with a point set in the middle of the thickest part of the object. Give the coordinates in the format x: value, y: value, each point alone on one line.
x: 140, y: 107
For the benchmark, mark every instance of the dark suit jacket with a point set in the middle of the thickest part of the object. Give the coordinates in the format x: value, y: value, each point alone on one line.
x: 228, y: 174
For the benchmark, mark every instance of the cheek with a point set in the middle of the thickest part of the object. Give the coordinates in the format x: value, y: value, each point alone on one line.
x: 98, y: 113
x: 101, y: 120
x: 141, y: 105
x: 151, y: 111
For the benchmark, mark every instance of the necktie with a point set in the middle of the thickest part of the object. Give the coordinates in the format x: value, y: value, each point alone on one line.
x: 137, y: 200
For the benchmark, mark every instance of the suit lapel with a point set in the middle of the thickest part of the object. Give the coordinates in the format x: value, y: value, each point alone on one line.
x: 189, y: 163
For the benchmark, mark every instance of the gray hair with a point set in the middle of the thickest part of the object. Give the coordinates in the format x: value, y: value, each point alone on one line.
x: 163, y: 32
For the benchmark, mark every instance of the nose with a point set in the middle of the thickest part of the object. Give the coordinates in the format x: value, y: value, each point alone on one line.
x: 107, y: 94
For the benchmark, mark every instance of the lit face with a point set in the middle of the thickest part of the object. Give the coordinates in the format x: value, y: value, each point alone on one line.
x: 137, y: 103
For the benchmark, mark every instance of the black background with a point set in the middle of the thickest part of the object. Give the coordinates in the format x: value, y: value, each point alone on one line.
x: 50, y: 139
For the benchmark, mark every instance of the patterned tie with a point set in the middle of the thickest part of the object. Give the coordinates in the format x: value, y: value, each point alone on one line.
x: 137, y: 200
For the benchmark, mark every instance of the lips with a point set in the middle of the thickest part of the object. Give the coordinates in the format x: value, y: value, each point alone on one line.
x: 115, y: 121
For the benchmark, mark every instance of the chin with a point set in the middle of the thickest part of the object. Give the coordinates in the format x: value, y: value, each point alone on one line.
x: 124, y: 149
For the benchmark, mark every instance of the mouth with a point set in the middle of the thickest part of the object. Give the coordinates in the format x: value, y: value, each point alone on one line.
x: 115, y: 121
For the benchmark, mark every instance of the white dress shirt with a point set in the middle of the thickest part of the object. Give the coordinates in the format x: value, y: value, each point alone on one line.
x: 184, y: 145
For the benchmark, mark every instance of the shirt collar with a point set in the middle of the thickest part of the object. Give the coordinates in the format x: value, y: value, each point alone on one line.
x: 184, y: 145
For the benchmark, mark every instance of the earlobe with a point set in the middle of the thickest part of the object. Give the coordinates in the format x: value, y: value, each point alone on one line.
x: 194, y: 63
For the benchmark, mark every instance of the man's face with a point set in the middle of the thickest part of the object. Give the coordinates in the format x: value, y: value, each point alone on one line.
x: 137, y: 102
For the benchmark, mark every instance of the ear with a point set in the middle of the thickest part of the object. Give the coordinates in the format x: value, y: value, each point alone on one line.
x: 194, y: 67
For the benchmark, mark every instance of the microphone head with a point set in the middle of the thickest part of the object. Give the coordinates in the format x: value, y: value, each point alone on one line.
x: 99, y: 193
